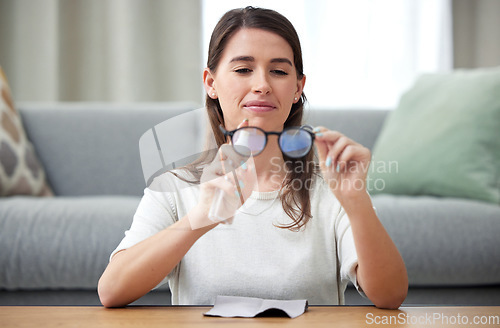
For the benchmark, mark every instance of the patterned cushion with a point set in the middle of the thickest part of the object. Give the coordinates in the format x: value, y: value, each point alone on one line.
x: 20, y: 171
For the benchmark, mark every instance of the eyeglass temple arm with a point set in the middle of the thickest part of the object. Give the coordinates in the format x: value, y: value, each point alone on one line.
x: 226, y: 132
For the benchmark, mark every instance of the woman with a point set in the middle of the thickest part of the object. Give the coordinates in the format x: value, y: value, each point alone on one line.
x: 307, y: 231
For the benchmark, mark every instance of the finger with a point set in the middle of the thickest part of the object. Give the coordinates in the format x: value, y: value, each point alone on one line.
x: 212, y: 171
x: 326, y: 135
x: 343, y: 158
x: 221, y: 153
x: 324, y: 139
x: 232, y: 159
x: 225, y: 184
x: 354, y: 154
x: 246, y: 177
x: 319, y: 129
x: 218, y: 168
x: 232, y: 165
x: 239, y: 184
x: 223, y: 159
x: 337, y: 149
x: 322, y: 149
x: 321, y: 145
x: 236, y: 181
x: 228, y: 221
x: 244, y: 123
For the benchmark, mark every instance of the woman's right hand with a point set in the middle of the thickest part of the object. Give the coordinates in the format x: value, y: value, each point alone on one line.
x: 224, y: 185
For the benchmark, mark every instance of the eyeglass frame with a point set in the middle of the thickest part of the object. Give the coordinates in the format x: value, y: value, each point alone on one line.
x: 306, y: 128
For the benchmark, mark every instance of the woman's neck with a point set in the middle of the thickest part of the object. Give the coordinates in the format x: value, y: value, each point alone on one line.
x: 270, y: 167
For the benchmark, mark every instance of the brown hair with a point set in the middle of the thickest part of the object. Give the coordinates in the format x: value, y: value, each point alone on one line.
x: 295, y: 201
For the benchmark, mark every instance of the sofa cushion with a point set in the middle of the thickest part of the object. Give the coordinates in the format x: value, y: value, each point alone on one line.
x: 444, y: 138
x: 60, y: 242
x: 20, y: 170
x: 444, y: 241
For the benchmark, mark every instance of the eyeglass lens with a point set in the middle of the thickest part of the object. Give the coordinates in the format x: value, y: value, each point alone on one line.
x: 249, y: 141
x: 295, y: 143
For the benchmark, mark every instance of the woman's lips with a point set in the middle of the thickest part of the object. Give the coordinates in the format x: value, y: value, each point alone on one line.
x: 259, y: 106
x: 259, y: 109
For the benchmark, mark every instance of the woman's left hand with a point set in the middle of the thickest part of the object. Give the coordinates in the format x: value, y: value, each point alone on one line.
x: 381, y: 271
x: 344, y: 163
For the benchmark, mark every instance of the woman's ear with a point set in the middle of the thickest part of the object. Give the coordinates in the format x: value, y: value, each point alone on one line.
x: 209, y: 83
x: 300, y: 87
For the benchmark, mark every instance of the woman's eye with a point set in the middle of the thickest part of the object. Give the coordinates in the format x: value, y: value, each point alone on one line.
x: 242, y: 70
x: 279, y: 72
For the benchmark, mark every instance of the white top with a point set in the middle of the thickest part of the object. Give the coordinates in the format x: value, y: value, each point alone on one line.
x: 252, y: 257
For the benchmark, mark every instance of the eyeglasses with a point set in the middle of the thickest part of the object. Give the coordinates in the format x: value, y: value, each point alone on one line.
x: 294, y: 142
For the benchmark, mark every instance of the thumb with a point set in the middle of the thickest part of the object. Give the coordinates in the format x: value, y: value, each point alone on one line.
x: 322, y: 148
x: 243, y: 123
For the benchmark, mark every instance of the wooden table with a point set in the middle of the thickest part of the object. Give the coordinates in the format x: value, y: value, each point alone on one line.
x: 186, y: 316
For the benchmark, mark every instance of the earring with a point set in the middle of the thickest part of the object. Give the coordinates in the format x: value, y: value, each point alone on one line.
x: 213, y: 94
x: 295, y: 98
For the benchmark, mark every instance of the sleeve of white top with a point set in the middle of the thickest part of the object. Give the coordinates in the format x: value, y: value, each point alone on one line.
x: 155, y: 212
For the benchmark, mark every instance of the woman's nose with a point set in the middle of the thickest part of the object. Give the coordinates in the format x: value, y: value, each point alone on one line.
x: 261, y: 84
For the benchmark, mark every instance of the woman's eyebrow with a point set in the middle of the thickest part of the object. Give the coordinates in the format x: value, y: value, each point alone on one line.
x: 242, y: 58
x: 252, y: 59
x: 281, y: 60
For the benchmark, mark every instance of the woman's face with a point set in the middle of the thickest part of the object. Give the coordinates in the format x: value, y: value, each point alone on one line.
x: 255, y: 79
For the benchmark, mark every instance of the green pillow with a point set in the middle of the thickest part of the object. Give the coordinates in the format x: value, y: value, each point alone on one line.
x: 443, y: 139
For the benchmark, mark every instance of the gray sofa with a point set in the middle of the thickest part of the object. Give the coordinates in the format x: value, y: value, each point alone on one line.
x: 53, y: 250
